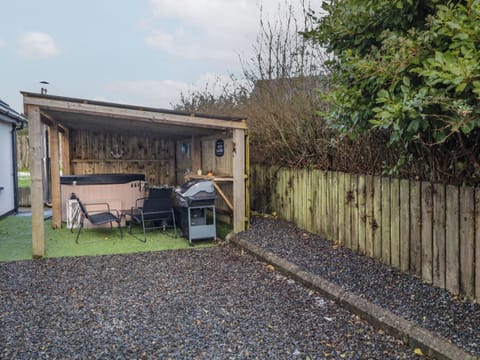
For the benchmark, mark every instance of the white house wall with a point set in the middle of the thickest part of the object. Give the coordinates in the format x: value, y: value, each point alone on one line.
x: 7, y: 200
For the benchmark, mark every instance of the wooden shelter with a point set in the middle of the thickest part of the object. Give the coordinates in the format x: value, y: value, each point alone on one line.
x: 91, y: 137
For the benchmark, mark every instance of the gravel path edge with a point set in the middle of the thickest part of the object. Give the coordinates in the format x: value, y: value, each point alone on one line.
x: 415, y: 336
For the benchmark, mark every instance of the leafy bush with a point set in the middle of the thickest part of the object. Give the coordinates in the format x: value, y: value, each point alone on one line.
x: 410, y: 69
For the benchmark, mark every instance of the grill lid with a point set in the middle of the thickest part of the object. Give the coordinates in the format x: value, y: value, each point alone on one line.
x: 196, y: 186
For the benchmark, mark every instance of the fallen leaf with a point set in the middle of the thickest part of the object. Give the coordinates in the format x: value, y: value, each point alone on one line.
x: 418, y: 352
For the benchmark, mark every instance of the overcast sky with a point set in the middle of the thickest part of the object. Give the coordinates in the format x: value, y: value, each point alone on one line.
x: 142, y: 52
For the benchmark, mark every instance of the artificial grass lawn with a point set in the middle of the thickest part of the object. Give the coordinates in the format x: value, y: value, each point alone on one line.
x: 16, y: 240
x: 23, y: 179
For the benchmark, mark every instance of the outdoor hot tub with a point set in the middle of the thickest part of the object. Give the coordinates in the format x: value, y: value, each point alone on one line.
x: 118, y: 190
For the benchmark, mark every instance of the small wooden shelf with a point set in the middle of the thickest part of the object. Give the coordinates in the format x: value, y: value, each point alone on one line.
x: 213, y: 178
x: 118, y: 160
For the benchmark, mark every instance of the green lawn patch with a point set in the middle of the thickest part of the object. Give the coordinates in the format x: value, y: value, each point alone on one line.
x: 16, y: 240
x: 23, y: 179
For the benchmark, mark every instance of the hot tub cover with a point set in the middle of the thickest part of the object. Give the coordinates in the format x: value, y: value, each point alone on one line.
x: 98, y: 179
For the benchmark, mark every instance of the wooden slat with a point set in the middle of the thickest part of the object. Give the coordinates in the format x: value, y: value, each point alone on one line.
x: 301, y: 198
x: 295, y: 208
x: 395, y: 222
x: 290, y: 186
x: 293, y: 193
x: 36, y: 182
x: 404, y: 225
x: 171, y: 175
x: 314, y: 195
x: 331, y: 181
x: 304, y: 190
x: 439, y: 235
x: 369, y: 230
x: 324, y: 212
x: 467, y: 242
x: 354, y: 212
x: 306, y: 205
x: 285, y: 190
x: 196, y: 154
x: 477, y: 244
x: 415, y: 229
x: 315, y: 208
x: 272, y: 186
x: 452, y: 241
x: 259, y: 194
x: 386, y: 242
x: 377, y: 217
x: 347, y: 201
x: 427, y: 231
x: 308, y: 199
x: 362, y: 215
x: 66, y: 152
x: 341, y: 209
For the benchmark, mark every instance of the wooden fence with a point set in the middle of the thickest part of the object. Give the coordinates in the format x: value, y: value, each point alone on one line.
x: 429, y: 230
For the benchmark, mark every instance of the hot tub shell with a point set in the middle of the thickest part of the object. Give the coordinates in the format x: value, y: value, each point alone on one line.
x: 120, y: 191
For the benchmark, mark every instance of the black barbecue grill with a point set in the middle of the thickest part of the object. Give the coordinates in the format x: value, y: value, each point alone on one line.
x: 194, y: 204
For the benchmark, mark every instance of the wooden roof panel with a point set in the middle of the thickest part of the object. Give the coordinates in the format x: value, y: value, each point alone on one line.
x: 89, y: 114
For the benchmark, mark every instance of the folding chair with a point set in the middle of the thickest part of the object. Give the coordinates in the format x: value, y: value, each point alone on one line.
x: 96, y: 217
x: 156, y: 210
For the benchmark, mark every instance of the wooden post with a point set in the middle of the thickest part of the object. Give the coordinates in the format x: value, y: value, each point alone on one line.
x: 36, y: 187
x: 238, y: 180
x: 55, y: 176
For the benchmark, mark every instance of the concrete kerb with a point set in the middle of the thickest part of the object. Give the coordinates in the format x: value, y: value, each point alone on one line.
x: 431, y: 344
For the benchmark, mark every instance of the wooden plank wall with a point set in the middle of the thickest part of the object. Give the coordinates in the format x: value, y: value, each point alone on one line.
x: 22, y: 152
x: 220, y: 166
x: 92, y: 153
x: 429, y: 230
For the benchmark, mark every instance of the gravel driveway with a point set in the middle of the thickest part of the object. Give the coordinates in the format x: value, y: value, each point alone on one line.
x: 405, y: 295
x: 215, y: 303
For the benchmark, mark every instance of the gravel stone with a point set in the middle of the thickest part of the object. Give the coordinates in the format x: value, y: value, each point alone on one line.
x: 403, y: 294
x: 214, y: 303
